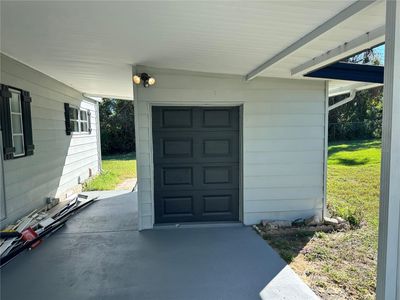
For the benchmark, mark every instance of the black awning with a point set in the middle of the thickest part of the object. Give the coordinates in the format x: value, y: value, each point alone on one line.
x: 350, y: 72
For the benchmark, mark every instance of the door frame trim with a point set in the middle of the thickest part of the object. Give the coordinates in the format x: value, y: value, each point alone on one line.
x: 150, y: 106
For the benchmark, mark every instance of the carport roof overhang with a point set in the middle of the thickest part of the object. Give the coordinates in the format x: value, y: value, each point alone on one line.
x: 91, y: 45
x: 350, y: 71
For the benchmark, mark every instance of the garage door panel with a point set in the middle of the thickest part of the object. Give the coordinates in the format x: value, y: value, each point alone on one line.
x: 218, y: 147
x: 201, y: 148
x: 215, y: 176
x: 177, y: 147
x: 174, y: 206
x: 219, y: 205
x: 172, y: 149
x: 192, y: 119
x: 196, y: 164
x: 177, y: 176
x: 197, y: 206
x: 178, y: 206
x: 174, y: 177
x: 219, y: 176
x: 177, y: 118
x: 220, y: 118
x: 172, y: 117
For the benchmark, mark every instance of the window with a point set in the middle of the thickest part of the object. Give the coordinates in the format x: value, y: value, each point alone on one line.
x: 76, y: 120
x: 84, y: 121
x: 17, y: 127
x: 16, y: 122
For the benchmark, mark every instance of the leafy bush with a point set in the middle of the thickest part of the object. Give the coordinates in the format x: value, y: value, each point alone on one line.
x: 354, y: 215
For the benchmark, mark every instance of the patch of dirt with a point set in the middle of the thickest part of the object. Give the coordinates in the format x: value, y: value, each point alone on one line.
x: 335, y: 264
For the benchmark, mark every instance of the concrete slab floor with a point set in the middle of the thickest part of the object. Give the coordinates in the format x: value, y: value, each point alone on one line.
x: 99, y: 254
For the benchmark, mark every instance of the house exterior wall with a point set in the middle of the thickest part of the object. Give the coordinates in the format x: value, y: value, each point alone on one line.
x: 283, y: 144
x: 60, y: 162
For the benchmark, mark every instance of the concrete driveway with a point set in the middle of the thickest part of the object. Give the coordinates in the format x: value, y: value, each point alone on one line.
x: 100, y: 254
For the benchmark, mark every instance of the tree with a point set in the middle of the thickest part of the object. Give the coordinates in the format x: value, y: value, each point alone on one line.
x: 362, y: 117
x: 117, y: 126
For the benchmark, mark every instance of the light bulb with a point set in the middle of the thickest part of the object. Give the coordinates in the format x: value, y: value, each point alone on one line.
x: 136, y: 79
x: 152, y: 80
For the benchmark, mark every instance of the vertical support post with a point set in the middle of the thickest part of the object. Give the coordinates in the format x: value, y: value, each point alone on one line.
x: 326, y: 133
x: 98, y: 137
x: 388, y: 281
x: 137, y: 142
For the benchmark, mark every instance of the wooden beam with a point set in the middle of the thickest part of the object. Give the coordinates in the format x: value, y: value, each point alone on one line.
x: 342, y: 16
x: 388, y: 281
x: 363, y: 42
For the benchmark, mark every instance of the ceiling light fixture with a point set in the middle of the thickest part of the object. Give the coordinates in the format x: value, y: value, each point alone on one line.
x: 145, y: 78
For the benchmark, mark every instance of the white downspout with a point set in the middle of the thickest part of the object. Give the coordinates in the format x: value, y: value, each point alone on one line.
x: 344, y: 101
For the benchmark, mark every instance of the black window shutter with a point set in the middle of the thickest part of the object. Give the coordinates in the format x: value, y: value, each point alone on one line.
x: 5, y: 115
x: 27, y: 122
x: 89, y: 122
x: 67, y: 119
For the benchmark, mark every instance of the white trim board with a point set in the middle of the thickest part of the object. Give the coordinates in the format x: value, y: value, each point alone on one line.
x: 363, y: 42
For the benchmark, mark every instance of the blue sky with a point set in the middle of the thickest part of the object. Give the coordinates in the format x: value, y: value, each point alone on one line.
x: 380, y: 51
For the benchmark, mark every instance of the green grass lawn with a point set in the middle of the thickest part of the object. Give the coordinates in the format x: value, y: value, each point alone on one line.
x: 353, y: 180
x: 353, y: 193
x: 342, y: 265
x: 116, y: 168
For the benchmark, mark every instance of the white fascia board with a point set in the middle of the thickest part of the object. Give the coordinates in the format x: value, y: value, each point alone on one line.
x: 339, y: 18
x: 359, y: 86
x: 365, y: 41
x: 98, y: 96
x: 93, y: 98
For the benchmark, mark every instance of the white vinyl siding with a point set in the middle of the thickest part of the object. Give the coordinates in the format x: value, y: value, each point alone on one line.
x: 282, y: 138
x: 60, y: 161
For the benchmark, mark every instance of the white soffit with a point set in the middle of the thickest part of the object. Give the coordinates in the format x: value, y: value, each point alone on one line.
x: 91, y: 45
x: 339, y: 87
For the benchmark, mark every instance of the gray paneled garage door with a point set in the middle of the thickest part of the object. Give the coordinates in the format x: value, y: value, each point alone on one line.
x: 196, y: 164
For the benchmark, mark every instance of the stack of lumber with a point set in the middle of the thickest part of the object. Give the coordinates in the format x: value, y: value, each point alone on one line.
x: 28, y: 232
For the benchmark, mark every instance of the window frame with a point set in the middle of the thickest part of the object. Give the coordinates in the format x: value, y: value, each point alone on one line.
x: 21, y: 115
x: 79, y: 120
x: 84, y: 121
x: 8, y: 135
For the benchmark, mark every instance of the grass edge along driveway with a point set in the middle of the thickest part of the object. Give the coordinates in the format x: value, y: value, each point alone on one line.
x: 115, y: 169
x: 342, y: 265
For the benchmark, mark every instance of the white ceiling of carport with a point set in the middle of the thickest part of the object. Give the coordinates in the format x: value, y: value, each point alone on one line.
x: 91, y: 45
